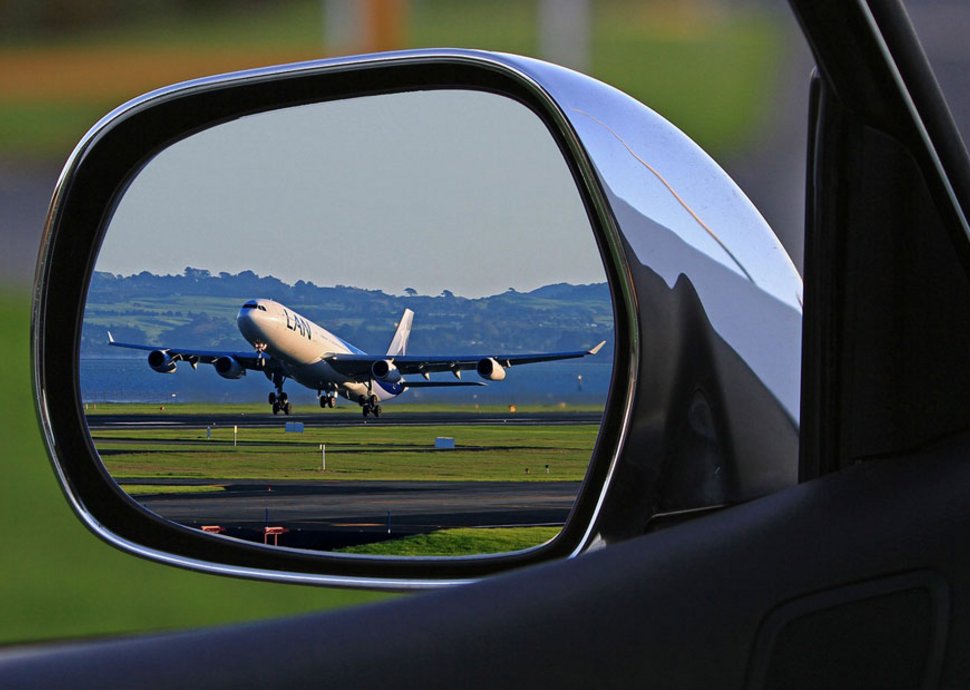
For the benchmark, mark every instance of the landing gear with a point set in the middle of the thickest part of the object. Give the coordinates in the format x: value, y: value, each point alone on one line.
x: 261, y: 357
x: 278, y: 400
x: 327, y: 396
x: 370, y: 405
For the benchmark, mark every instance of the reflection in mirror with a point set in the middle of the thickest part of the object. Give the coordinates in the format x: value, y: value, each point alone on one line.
x: 364, y: 326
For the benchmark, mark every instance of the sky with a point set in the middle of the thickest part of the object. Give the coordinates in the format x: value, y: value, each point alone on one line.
x: 431, y: 190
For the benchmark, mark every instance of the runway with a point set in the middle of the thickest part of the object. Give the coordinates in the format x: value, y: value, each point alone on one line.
x: 326, y: 515
x: 331, y: 514
x: 327, y: 418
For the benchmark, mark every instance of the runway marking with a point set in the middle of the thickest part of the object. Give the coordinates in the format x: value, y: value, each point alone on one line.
x: 359, y: 524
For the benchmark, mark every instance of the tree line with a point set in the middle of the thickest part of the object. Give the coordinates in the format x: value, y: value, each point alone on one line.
x: 553, y: 317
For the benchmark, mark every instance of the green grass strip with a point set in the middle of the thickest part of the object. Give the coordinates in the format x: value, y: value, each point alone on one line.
x: 378, y: 453
x: 460, y: 542
x: 155, y: 489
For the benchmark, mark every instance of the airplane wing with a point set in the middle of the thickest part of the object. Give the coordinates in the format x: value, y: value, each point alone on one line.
x: 192, y: 356
x: 360, y: 365
x: 420, y: 383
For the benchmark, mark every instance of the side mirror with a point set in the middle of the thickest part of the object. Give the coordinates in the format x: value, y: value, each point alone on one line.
x: 253, y: 225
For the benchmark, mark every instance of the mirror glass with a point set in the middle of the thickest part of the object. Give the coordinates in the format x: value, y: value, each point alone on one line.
x: 377, y: 325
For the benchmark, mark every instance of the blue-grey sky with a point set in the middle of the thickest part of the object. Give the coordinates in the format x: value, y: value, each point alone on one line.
x: 433, y: 190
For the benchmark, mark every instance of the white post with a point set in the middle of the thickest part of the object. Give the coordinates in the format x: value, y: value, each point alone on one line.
x: 343, y: 30
x: 235, y: 434
x: 323, y: 457
x: 564, y: 32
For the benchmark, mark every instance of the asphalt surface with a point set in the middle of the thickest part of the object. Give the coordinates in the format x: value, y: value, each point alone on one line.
x: 332, y: 514
x: 328, y: 515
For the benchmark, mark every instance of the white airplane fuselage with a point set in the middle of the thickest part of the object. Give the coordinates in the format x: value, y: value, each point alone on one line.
x: 301, y: 346
x: 290, y: 346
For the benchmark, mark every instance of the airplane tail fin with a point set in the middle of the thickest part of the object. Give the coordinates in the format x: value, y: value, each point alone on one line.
x: 399, y: 342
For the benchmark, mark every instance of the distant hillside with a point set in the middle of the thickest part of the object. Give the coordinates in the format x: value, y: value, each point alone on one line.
x: 198, y: 309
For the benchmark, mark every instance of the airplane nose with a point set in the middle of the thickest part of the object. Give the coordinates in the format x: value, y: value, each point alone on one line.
x: 248, y: 323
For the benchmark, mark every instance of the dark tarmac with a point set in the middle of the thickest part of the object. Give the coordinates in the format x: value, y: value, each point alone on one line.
x: 327, y: 515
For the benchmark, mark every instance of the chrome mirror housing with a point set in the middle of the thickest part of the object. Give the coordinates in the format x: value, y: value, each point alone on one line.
x: 702, y: 409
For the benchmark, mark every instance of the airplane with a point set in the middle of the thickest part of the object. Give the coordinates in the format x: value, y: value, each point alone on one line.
x: 290, y: 346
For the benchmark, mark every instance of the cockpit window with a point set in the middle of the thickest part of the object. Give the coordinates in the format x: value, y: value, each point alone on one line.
x: 251, y: 305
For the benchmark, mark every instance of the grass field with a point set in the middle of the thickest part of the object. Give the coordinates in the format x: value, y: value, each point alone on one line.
x: 156, y: 489
x: 709, y: 70
x: 387, y: 453
x: 60, y: 581
x: 460, y: 542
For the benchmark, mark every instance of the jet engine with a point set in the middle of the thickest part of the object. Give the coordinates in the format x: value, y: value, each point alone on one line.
x: 160, y: 361
x: 490, y: 369
x: 229, y: 368
x: 384, y: 370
